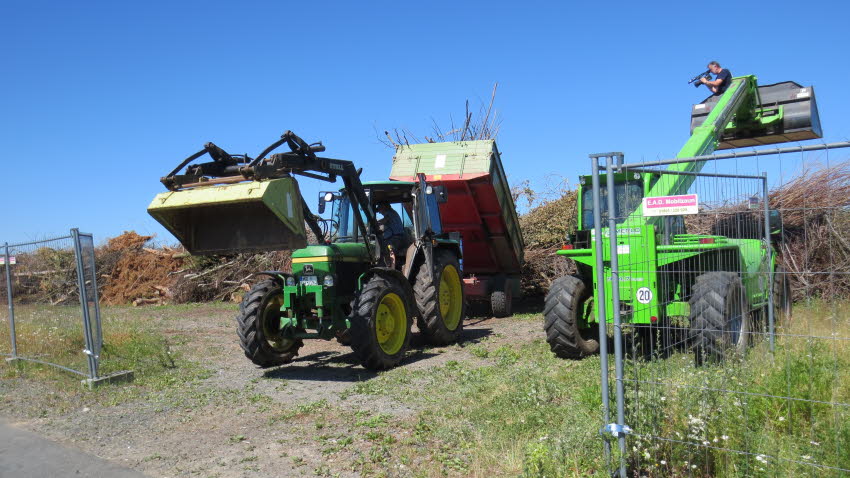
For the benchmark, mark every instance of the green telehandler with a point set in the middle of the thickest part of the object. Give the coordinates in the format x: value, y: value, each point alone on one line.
x: 708, y: 291
x: 350, y: 284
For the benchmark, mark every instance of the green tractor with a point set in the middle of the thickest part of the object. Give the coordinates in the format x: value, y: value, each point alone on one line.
x: 350, y: 283
x: 707, y: 291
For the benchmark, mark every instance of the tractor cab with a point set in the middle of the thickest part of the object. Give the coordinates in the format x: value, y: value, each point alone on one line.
x: 418, y: 217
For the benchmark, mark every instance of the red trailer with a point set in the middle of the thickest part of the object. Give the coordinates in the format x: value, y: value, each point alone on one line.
x: 480, y: 207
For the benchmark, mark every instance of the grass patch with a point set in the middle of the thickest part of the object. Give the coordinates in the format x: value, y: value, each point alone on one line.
x: 131, y: 342
x: 527, y: 413
x: 782, y: 412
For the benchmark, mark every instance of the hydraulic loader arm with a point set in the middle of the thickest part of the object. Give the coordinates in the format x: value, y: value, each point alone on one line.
x: 300, y: 160
x: 738, y: 103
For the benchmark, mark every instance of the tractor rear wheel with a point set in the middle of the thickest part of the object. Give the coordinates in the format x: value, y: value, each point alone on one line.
x: 440, y: 300
x: 258, y: 325
x: 720, y: 321
x: 380, y: 323
x: 565, y: 303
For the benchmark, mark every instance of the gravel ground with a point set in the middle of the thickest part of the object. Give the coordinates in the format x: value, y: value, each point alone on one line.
x: 230, y: 424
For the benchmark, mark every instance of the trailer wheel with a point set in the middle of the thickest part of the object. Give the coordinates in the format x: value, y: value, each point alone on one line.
x: 258, y: 325
x: 441, y: 302
x: 501, y: 302
x: 720, y: 322
x: 564, y: 303
x: 380, y: 323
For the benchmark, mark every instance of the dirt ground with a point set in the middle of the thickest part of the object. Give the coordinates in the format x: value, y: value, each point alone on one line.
x: 240, y: 420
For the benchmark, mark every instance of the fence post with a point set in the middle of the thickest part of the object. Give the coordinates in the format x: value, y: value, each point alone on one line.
x: 600, y: 305
x: 98, y: 328
x: 9, y: 297
x: 770, y: 271
x: 615, y: 305
x: 84, y: 305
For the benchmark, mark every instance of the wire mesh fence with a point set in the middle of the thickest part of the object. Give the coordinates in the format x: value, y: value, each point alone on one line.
x: 50, y: 314
x: 727, y: 291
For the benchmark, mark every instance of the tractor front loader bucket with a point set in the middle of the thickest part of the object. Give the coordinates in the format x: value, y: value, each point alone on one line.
x: 244, y: 217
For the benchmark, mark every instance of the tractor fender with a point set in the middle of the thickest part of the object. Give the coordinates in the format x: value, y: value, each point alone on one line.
x: 394, y: 275
x: 416, y: 257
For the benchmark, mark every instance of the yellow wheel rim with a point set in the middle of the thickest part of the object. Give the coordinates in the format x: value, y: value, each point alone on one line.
x: 451, y: 297
x: 271, y: 325
x: 391, y: 323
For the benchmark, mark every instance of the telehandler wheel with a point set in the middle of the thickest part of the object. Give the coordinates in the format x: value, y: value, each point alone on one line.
x: 501, y: 302
x: 564, y: 304
x: 782, y: 300
x: 380, y: 323
x: 259, y: 327
x: 441, y: 303
x: 720, y: 322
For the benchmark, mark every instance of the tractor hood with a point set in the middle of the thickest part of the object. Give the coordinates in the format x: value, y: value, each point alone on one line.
x: 338, y: 252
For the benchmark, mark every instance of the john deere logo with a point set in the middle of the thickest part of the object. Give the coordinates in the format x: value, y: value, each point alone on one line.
x: 308, y: 268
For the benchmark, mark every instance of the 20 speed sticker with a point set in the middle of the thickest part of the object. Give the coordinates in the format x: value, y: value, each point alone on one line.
x: 644, y: 295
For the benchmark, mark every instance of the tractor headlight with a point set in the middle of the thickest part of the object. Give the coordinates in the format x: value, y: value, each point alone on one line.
x: 329, y: 280
x: 290, y: 281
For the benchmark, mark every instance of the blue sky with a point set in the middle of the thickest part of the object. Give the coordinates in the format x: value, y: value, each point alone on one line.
x: 100, y: 99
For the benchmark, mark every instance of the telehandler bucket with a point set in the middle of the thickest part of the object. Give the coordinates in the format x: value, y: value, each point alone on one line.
x: 244, y: 217
x: 788, y: 113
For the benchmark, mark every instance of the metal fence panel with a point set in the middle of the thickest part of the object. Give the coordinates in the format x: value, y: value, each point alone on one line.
x: 715, y: 373
x: 51, y: 314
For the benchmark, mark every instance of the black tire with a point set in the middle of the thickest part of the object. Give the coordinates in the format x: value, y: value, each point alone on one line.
x: 564, y: 302
x: 377, y: 346
x: 501, y: 302
x: 721, y: 324
x: 258, y: 319
x: 441, y: 303
x: 782, y: 300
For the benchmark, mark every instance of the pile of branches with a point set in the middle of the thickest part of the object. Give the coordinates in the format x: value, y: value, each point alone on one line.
x: 815, y: 245
x: 544, y: 229
x: 129, y: 272
x: 44, y: 276
x: 224, y: 278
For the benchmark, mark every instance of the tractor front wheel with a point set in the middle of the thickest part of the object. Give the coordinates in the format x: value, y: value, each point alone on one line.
x: 565, y: 304
x: 380, y: 323
x: 720, y: 321
x: 440, y: 299
x: 258, y: 325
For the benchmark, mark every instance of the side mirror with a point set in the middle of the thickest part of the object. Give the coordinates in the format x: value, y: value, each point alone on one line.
x: 324, y: 198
